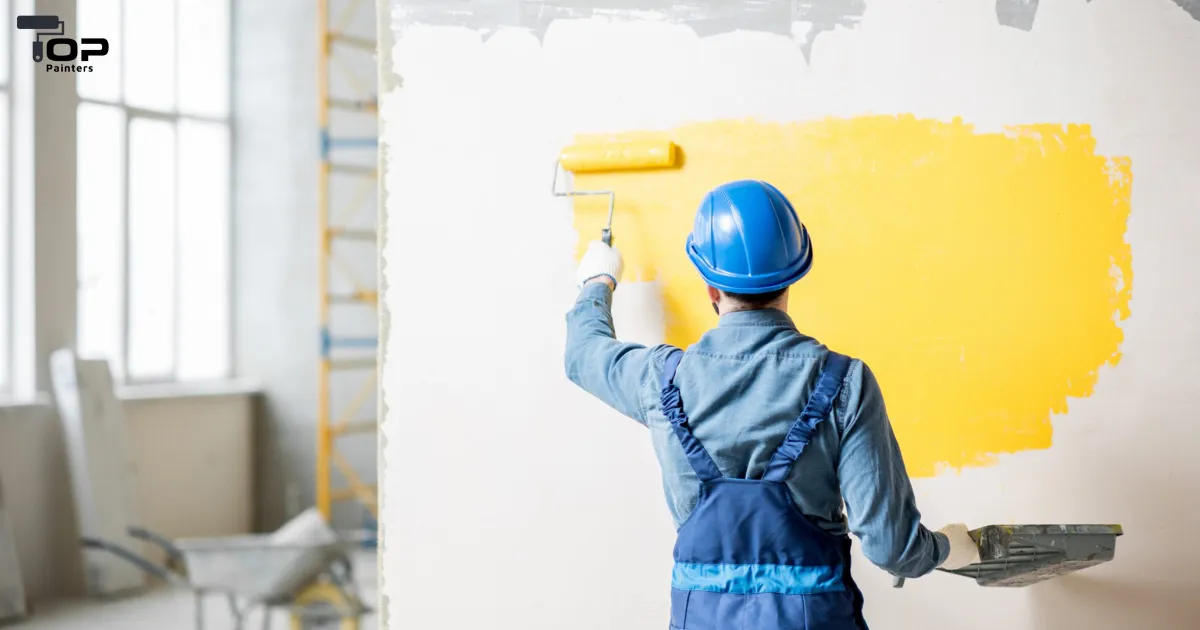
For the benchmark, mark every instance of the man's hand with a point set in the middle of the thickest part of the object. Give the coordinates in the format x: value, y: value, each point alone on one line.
x: 963, y: 549
x: 601, y: 263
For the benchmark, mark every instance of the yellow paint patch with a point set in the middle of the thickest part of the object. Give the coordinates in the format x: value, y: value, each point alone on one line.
x: 980, y: 275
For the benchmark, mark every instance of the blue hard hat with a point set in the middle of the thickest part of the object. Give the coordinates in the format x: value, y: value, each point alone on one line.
x: 748, y: 239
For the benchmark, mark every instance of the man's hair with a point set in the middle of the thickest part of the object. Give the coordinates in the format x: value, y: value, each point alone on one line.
x: 754, y: 300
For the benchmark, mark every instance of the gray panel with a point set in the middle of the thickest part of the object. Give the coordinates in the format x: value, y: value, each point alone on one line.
x: 1016, y: 13
x: 707, y: 18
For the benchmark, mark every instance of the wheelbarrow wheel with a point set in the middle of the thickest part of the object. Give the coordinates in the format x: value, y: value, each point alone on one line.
x: 324, y: 606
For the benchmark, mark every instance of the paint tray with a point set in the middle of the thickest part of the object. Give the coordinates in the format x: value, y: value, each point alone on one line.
x: 1021, y: 555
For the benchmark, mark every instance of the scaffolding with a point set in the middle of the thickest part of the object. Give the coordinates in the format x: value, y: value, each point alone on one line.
x: 344, y: 158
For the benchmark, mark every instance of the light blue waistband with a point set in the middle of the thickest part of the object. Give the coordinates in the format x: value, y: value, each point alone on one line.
x: 757, y: 578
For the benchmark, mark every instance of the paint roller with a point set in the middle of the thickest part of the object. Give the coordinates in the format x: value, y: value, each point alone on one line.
x: 612, y: 156
x: 40, y: 23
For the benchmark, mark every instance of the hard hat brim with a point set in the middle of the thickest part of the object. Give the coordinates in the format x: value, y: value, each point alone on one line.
x: 751, y: 284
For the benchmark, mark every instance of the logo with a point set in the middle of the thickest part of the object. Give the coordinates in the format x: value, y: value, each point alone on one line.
x: 58, y: 47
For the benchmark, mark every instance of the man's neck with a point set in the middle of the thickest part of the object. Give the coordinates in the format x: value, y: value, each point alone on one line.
x: 777, y: 305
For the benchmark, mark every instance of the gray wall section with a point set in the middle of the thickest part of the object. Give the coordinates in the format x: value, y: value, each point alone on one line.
x: 1016, y: 13
x: 1021, y: 13
x: 1191, y: 6
x: 706, y: 16
x: 276, y: 242
x: 826, y: 15
x: 709, y: 17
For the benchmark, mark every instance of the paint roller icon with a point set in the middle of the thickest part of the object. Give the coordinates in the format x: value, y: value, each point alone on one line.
x: 40, y: 23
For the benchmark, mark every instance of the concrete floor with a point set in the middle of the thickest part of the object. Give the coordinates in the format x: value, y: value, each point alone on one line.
x: 166, y: 608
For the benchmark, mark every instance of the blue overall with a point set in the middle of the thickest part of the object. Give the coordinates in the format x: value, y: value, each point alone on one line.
x: 746, y: 558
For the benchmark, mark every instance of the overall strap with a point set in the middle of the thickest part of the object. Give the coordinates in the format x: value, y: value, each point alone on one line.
x: 672, y: 408
x: 820, y: 403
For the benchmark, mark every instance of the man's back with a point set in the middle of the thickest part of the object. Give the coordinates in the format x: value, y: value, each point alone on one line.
x: 743, y: 385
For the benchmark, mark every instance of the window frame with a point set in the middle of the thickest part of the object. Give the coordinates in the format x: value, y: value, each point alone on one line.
x: 9, y: 381
x: 174, y: 116
x: 7, y: 294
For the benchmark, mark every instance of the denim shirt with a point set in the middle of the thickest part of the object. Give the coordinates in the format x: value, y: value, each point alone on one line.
x: 743, y: 385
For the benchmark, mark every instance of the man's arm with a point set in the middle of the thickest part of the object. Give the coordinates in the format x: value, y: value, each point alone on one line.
x: 880, y: 504
x: 606, y: 368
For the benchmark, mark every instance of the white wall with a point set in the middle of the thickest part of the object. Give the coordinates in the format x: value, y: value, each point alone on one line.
x: 195, y: 464
x: 515, y: 501
x: 277, y: 241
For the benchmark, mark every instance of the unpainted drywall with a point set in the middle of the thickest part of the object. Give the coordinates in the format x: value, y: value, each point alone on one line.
x: 1046, y: 166
x: 388, y: 81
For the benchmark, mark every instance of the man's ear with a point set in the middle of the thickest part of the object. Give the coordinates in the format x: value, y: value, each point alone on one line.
x: 714, y: 296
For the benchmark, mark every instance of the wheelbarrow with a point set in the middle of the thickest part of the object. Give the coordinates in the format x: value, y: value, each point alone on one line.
x: 311, y: 576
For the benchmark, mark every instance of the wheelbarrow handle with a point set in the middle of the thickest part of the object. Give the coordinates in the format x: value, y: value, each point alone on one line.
x: 141, y: 533
x: 341, y: 570
x: 130, y: 557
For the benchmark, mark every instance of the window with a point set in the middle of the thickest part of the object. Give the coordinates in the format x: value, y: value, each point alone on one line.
x: 154, y: 190
x: 6, y: 320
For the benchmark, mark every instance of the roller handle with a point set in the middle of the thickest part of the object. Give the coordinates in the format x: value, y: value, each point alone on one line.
x: 897, y: 582
x: 39, y: 23
x: 606, y: 236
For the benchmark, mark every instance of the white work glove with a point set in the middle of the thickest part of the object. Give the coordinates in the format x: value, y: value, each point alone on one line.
x: 600, y: 260
x: 963, y: 549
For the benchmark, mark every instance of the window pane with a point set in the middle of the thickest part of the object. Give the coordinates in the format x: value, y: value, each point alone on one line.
x: 101, y: 232
x: 204, y: 56
x: 151, y: 249
x: 149, y: 38
x: 101, y: 18
x: 5, y: 250
x: 204, y: 255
